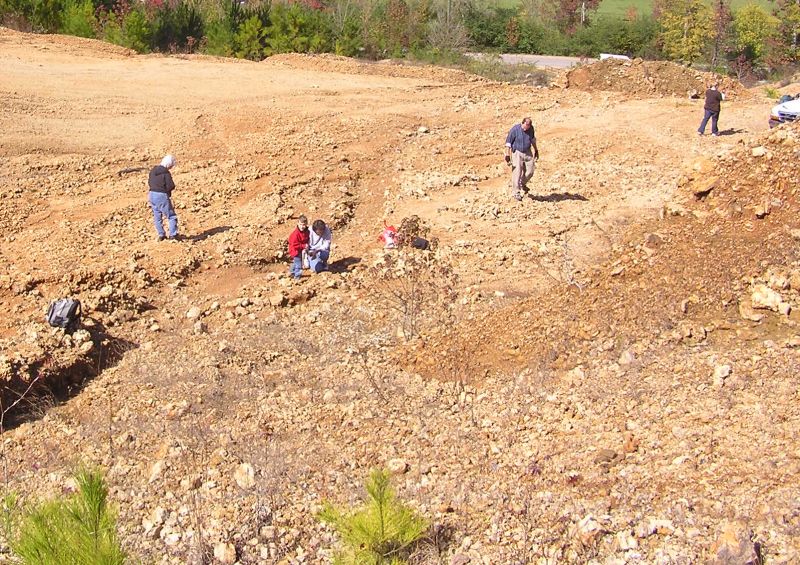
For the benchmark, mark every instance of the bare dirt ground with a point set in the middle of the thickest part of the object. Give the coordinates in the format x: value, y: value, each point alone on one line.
x: 604, y: 372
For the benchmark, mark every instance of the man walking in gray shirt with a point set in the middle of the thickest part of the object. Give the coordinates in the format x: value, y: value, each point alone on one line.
x: 519, y: 141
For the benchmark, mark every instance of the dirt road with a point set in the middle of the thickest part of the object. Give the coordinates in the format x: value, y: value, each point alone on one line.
x: 543, y: 61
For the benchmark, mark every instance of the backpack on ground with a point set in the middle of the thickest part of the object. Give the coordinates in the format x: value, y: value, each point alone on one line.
x: 64, y: 313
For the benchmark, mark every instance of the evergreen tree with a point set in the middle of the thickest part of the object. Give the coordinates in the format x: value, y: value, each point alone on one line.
x: 381, y: 532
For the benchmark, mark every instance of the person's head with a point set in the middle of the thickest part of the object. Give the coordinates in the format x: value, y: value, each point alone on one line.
x: 526, y: 124
x: 319, y: 227
x: 302, y: 223
x: 168, y: 162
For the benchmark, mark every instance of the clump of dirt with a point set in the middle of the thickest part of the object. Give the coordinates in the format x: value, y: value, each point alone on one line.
x: 749, y: 182
x: 648, y: 78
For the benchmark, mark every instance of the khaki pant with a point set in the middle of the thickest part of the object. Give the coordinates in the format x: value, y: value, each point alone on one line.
x: 522, y: 168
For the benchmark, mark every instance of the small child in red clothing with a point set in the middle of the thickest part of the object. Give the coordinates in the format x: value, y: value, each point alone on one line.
x: 298, y: 243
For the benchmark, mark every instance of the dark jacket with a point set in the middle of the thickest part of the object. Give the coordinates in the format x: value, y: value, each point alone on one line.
x: 160, y: 180
x: 713, y: 98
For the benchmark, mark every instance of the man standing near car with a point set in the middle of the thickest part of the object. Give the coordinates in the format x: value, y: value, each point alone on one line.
x: 711, y: 110
x: 519, y: 142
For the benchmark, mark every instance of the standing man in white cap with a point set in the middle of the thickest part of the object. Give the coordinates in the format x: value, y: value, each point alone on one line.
x: 519, y: 142
x: 161, y: 187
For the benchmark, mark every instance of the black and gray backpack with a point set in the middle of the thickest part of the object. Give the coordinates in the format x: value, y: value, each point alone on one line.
x: 64, y: 313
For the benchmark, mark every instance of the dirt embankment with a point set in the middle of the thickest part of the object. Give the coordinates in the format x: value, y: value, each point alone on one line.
x: 648, y: 78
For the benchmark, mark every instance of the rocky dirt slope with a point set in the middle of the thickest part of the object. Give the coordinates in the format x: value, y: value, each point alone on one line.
x: 647, y: 78
x: 604, y: 372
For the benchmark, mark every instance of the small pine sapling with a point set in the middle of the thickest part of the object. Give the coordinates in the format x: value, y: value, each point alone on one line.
x: 80, y: 530
x: 381, y: 532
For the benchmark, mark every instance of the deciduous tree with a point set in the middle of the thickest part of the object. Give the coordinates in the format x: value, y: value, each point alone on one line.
x: 753, y: 26
x: 572, y: 14
x: 687, y: 27
x: 788, y: 14
x: 723, y: 20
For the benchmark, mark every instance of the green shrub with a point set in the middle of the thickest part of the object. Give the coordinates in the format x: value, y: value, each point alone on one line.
x: 346, y: 29
x: 614, y: 35
x: 374, y: 37
x: 177, y: 27
x: 381, y: 532
x: 131, y: 30
x: 487, y: 27
x: 393, y: 28
x: 78, y: 19
x: 440, y: 57
x: 221, y: 27
x: 220, y: 38
x: 136, y: 31
x: 78, y: 530
x: 535, y: 37
x: 8, y: 7
x: 297, y: 28
x: 46, y: 15
x: 249, y: 40
x: 349, y: 43
x: 772, y: 92
x: 111, y: 28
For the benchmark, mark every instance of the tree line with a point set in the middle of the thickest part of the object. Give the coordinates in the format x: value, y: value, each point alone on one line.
x: 748, y: 40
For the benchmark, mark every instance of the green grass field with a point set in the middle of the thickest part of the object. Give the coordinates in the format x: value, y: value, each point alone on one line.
x: 619, y: 8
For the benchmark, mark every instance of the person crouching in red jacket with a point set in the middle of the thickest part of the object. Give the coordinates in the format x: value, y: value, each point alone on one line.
x: 298, y: 243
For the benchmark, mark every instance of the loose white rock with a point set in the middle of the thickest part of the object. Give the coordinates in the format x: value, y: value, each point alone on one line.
x: 225, y: 553
x: 765, y: 298
x: 245, y: 476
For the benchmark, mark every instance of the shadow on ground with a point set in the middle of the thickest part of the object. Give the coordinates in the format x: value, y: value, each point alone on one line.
x: 343, y: 265
x: 205, y: 234
x: 732, y: 131
x: 557, y: 197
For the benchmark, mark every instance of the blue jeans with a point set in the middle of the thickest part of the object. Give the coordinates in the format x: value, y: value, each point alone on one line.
x: 297, y: 267
x: 162, y: 207
x: 320, y: 262
x: 714, y: 119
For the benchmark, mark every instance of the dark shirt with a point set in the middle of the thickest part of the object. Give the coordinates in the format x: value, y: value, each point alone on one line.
x: 520, y: 140
x: 713, y: 98
x: 160, y: 180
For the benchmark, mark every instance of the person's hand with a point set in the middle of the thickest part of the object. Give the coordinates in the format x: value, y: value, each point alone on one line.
x: 508, y: 159
x: 536, y: 154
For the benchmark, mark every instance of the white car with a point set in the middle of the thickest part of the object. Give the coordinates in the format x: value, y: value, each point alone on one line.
x: 786, y: 112
x: 604, y: 56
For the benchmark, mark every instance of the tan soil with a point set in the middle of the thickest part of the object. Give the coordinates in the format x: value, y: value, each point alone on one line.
x: 573, y: 406
x: 647, y: 78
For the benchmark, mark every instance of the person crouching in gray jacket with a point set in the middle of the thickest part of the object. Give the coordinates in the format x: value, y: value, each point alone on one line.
x: 161, y: 187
